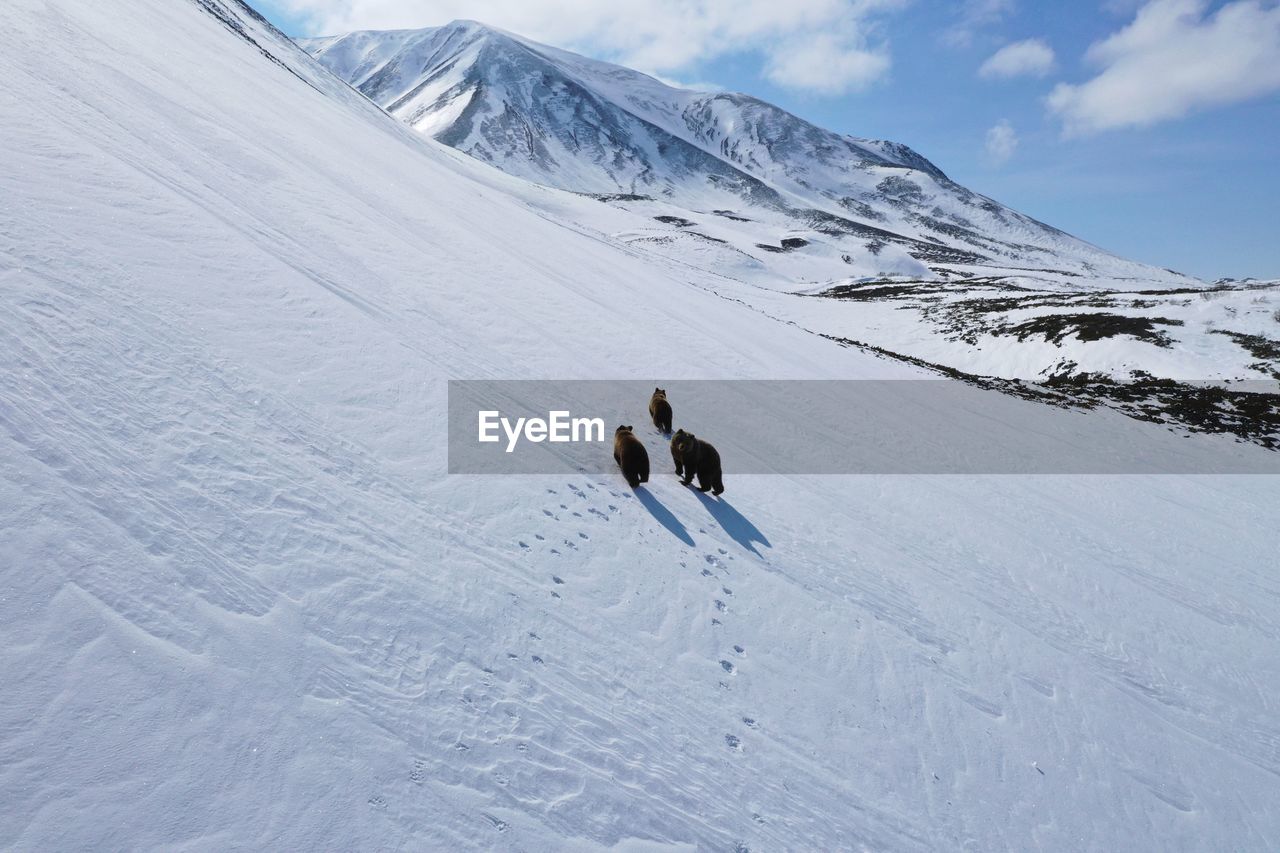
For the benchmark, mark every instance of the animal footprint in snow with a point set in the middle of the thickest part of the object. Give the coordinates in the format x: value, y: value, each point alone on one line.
x: 726, y: 590
x: 539, y: 537
x: 750, y: 722
x: 728, y: 667
x: 707, y: 573
x: 721, y: 606
x: 378, y: 802
x: 524, y: 544
x: 418, y: 774
x: 740, y: 650
x: 582, y: 535
x: 557, y: 579
x: 733, y: 742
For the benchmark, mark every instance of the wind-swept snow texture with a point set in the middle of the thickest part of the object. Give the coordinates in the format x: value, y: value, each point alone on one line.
x: 243, y: 607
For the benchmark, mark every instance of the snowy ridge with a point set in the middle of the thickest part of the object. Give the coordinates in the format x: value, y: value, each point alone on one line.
x: 566, y: 121
x: 243, y: 607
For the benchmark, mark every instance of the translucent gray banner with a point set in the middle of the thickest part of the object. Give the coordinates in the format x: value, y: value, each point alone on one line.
x: 867, y: 427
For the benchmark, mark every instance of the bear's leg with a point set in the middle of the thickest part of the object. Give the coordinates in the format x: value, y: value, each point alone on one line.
x: 719, y: 487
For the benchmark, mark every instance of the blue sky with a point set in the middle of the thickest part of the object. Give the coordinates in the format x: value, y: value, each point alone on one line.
x: 1149, y: 128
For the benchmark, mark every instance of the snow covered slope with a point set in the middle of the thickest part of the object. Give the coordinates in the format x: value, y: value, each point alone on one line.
x: 242, y: 606
x: 860, y: 206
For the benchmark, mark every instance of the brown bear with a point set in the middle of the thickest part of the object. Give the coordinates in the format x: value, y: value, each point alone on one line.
x: 692, y: 456
x: 632, y: 458
x: 660, y: 411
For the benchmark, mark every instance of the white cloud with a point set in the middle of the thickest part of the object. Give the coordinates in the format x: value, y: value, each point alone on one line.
x: 825, y: 46
x: 1002, y: 141
x: 973, y: 16
x: 826, y: 64
x: 1174, y: 59
x: 1030, y: 58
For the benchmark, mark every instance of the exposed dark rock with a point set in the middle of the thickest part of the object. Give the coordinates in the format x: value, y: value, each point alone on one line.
x: 1091, y: 327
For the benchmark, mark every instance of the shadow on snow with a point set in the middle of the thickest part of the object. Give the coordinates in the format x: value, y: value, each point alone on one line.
x: 663, y: 515
x: 734, y: 523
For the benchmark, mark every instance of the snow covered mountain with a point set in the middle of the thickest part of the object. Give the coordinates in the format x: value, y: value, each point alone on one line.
x: 877, y: 243
x: 242, y: 605
x: 852, y: 206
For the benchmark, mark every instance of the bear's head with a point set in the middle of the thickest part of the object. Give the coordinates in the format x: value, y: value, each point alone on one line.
x: 660, y: 392
x: 621, y: 430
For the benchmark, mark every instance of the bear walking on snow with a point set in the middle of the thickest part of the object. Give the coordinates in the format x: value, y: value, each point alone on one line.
x: 632, y: 458
x: 693, y: 456
x: 660, y: 410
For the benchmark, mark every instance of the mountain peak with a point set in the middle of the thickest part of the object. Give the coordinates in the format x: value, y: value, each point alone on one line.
x: 560, y: 119
x: 469, y: 27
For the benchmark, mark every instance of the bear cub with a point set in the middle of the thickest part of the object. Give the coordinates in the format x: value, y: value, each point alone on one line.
x: 632, y: 458
x: 693, y: 456
x: 660, y: 411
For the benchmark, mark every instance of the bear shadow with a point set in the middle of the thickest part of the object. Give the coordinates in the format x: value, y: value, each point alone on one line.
x: 739, y: 528
x: 663, y: 515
